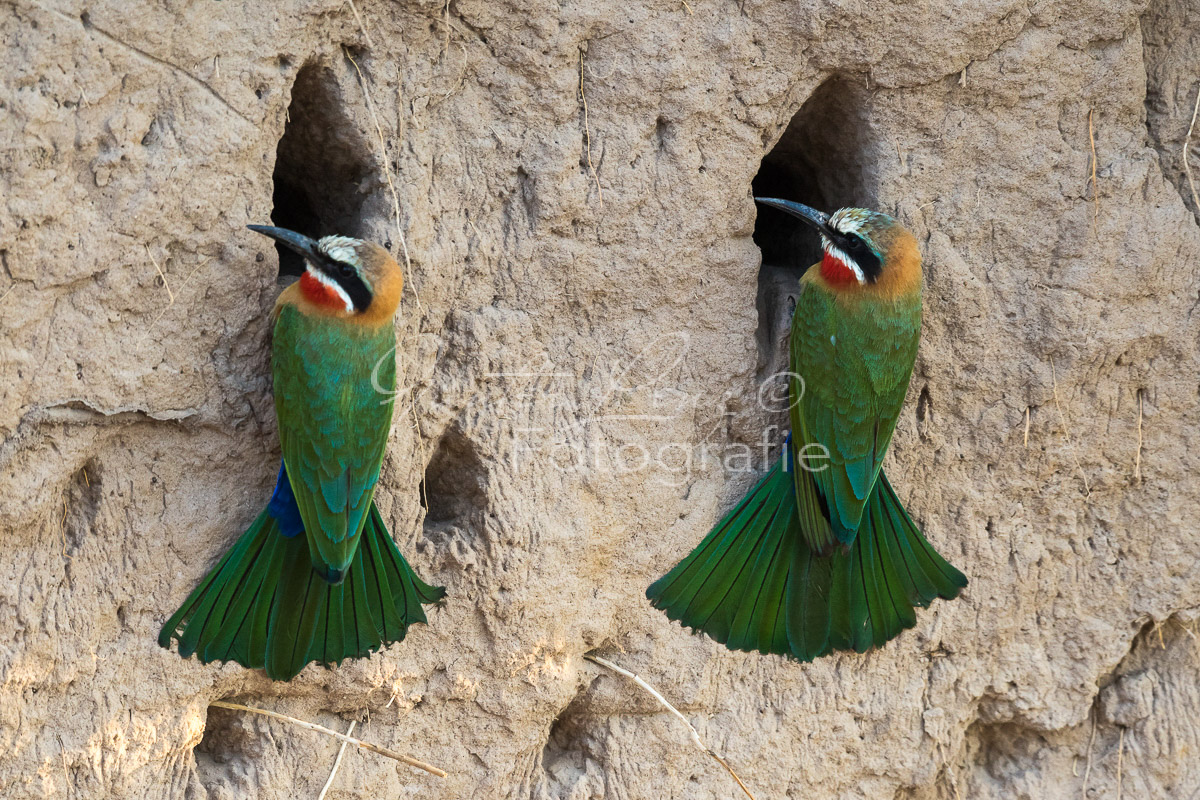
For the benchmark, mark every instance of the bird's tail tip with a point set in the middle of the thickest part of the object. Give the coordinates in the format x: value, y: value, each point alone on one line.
x: 755, y: 584
x: 265, y: 607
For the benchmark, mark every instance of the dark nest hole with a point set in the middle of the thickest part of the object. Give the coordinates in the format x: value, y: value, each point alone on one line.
x: 230, y: 746
x: 571, y: 743
x: 825, y: 159
x: 324, y: 167
x: 454, y: 491
x: 82, y: 507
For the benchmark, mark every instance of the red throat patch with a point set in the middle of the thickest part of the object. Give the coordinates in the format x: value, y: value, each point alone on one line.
x: 835, y: 272
x: 318, y: 293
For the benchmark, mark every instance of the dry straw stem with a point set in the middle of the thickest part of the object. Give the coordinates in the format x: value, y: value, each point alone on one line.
x: 1120, y: 758
x: 387, y: 169
x: 1067, y: 430
x: 663, y: 701
x: 1095, y: 188
x: 1087, y: 772
x: 685, y: 5
x: 171, y: 304
x: 167, y: 286
x: 337, y: 762
x: 409, y: 278
x: 949, y: 772
x: 1137, y: 460
x: 587, y: 133
x: 62, y: 531
x: 446, y: 25
x: 361, y: 26
x: 7, y: 292
x: 62, y: 751
x: 459, y: 82
x: 374, y: 748
x: 1187, y: 144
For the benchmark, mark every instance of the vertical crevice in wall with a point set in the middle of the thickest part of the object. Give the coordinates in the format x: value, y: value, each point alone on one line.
x: 824, y: 159
x: 1171, y: 51
x: 324, y: 167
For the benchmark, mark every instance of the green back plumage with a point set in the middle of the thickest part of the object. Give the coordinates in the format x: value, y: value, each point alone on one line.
x: 855, y: 356
x: 333, y: 399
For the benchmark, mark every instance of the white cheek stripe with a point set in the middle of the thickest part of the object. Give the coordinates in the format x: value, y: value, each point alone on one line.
x: 331, y: 284
x: 846, y: 260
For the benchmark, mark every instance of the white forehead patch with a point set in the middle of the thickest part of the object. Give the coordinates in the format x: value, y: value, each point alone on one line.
x: 849, y: 220
x: 342, y: 249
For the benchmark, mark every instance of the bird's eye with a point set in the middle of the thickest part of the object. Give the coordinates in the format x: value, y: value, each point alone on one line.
x: 346, y: 270
x: 852, y: 242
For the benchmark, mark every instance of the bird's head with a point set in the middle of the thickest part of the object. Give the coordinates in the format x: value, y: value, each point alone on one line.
x: 344, y: 277
x: 864, y: 250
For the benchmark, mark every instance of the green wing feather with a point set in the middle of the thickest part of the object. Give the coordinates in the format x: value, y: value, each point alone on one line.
x: 852, y: 365
x: 751, y: 581
x: 333, y: 426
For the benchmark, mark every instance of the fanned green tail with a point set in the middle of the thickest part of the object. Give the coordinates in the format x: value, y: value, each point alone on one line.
x: 754, y: 584
x: 264, y: 607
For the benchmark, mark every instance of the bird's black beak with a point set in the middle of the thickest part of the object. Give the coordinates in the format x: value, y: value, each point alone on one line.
x: 303, y: 246
x: 815, y: 218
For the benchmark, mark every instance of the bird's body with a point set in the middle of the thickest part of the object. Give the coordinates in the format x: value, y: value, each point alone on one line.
x: 316, y: 577
x: 820, y: 554
x: 332, y: 423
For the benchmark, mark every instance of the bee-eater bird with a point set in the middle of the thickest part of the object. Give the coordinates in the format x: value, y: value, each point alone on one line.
x: 820, y: 555
x: 316, y: 577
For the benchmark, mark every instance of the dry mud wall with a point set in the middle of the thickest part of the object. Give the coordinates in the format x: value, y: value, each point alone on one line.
x: 587, y: 279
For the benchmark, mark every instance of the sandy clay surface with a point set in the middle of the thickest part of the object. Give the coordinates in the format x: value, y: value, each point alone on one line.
x: 588, y: 287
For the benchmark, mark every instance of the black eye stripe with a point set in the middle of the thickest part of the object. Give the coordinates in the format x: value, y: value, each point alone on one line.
x: 347, y: 277
x: 853, y: 243
x: 855, y: 247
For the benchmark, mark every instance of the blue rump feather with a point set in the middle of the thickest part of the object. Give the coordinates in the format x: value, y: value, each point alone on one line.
x: 283, y: 506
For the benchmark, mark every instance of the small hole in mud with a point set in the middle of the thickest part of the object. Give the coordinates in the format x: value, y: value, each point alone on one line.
x: 81, y: 508
x: 322, y: 165
x: 226, y: 754
x: 454, y: 490
x: 574, y: 740
x: 823, y: 160
x: 924, y: 412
